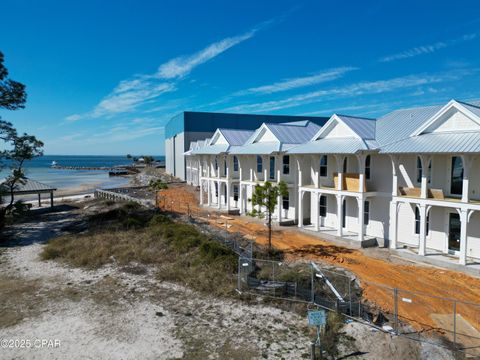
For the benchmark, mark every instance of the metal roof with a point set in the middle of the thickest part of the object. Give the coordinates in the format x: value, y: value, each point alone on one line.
x: 465, y: 142
x: 211, y: 149
x: 400, y: 124
x: 261, y: 148
x: 236, y: 137
x: 294, y: 133
x: 474, y: 107
x: 363, y: 127
x: 30, y: 186
x: 331, y: 146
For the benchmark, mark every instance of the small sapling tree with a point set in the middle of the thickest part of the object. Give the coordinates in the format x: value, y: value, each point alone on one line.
x: 264, y: 200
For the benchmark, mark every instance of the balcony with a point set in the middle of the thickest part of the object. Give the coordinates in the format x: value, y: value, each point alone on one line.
x: 432, y: 194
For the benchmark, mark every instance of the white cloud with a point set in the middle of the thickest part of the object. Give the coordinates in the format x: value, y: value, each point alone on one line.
x: 133, y: 93
x: 182, y: 66
x: 357, y: 89
x: 427, y: 49
x: 294, y: 83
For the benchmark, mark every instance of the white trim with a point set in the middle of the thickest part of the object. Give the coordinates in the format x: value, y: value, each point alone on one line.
x: 451, y: 104
x: 328, y: 127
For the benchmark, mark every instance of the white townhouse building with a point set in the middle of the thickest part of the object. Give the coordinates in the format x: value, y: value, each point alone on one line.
x: 409, y: 178
x: 263, y: 158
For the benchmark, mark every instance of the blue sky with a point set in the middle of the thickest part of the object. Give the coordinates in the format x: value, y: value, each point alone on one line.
x: 103, y: 77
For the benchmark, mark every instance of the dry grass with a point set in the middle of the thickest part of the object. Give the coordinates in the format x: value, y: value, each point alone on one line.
x: 179, y: 251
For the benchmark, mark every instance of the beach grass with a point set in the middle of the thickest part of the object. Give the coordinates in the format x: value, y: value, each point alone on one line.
x: 128, y: 235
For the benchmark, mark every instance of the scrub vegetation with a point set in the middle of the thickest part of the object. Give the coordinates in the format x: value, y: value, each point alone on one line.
x: 126, y: 234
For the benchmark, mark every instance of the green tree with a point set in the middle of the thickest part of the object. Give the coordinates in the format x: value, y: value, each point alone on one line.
x: 148, y: 159
x: 16, y: 149
x: 264, y: 200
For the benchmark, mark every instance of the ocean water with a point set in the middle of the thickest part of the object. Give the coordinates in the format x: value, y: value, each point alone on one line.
x: 40, y: 169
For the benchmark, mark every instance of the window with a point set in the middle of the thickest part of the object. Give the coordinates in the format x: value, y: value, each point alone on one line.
x: 272, y: 168
x: 344, y: 213
x: 367, y: 167
x: 235, y: 163
x: 324, y: 166
x: 366, y: 213
x: 224, y: 167
x: 456, y: 177
x: 285, y: 202
x: 345, y: 165
x: 417, y: 221
x: 216, y: 189
x: 235, y: 192
x: 259, y: 164
x: 216, y: 164
x: 323, y: 206
x: 286, y: 164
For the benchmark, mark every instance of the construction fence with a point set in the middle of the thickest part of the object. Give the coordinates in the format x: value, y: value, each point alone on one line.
x: 454, y: 325
x: 419, y: 316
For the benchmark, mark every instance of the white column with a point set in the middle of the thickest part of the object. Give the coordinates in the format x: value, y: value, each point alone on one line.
x: 339, y: 160
x: 422, y: 246
x: 425, y: 160
x: 467, y: 165
x: 228, y: 185
x: 300, y: 208
x: 315, y: 211
x: 219, y: 193
x: 240, y: 198
x: 209, y: 193
x: 266, y: 167
x: 361, y: 217
x: 393, y: 229
x: 339, y: 214
x: 361, y: 172
x: 463, y: 236
x: 394, y: 160
x: 201, y: 192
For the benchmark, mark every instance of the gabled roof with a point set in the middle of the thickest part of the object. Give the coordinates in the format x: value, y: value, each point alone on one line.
x: 359, y: 127
x: 469, y: 110
x: 295, y: 132
x: 331, y: 146
x: 236, y: 137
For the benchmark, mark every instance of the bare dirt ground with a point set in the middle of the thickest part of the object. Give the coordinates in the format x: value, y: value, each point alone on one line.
x: 124, y: 312
x: 374, y: 268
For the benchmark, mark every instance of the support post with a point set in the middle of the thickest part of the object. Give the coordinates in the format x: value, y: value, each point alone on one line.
x: 361, y: 173
x: 425, y: 161
x: 201, y: 192
x: 39, y: 200
x: 467, y: 165
x: 300, y: 208
x: 463, y: 236
x: 51, y: 199
x: 393, y: 229
x: 423, y: 230
x: 219, y: 193
x: 339, y: 215
x: 228, y: 186
x: 316, y: 212
x: 361, y: 218
x: 209, y: 193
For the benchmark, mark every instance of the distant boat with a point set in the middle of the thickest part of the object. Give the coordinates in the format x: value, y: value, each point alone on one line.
x: 54, y: 163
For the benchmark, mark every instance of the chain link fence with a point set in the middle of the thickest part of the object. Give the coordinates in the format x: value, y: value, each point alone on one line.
x: 419, y: 316
x: 452, y: 324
